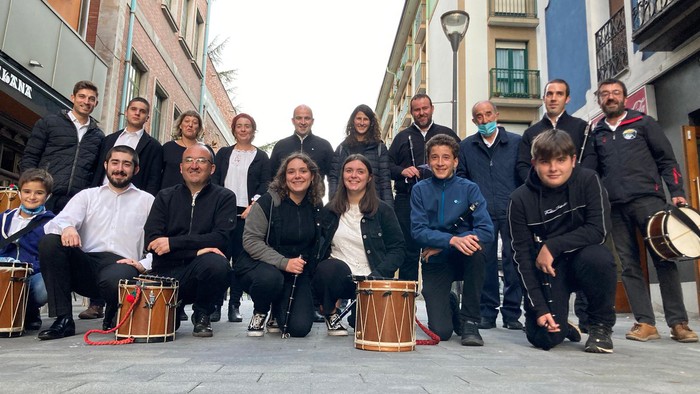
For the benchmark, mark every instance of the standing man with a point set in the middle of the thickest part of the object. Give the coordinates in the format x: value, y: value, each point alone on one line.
x: 189, y: 232
x: 450, y: 222
x: 94, y: 242
x: 408, y: 166
x: 67, y: 145
x: 488, y: 159
x: 634, y: 156
x: 303, y: 140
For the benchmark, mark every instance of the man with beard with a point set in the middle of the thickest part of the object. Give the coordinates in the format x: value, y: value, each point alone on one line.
x: 94, y: 242
x: 408, y: 166
x: 634, y: 156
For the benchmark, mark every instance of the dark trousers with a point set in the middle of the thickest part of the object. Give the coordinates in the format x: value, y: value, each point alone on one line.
x: 236, y: 250
x: 332, y: 282
x: 402, y: 208
x: 626, y: 219
x: 512, y: 290
x: 67, y: 269
x: 268, y: 286
x: 591, y: 270
x: 438, y: 275
x: 202, y: 281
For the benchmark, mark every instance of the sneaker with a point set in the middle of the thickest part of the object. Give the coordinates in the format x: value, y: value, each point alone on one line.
x: 682, y: 333
x: 470, y: 334
x: 574, y: 334
x: 487, y: 323
x: 599, y: 339
x: 273, y: 326
x: 256, y: 328
x: 642, y: 332
x: 92, y: 312
x: 337, y: 329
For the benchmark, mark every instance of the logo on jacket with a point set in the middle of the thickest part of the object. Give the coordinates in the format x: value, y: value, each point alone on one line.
x: 629, y: 134
x: 456, y: 201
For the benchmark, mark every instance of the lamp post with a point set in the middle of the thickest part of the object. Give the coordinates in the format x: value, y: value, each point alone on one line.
x: 454, y: 24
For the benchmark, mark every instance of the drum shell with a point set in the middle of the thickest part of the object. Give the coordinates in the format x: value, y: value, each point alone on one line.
x: 14, y: 293
x: 670, y: 239
x: 386, y: 313
x: 154, y: 323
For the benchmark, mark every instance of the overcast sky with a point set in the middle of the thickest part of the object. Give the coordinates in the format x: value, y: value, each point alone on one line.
x: 330, y: 55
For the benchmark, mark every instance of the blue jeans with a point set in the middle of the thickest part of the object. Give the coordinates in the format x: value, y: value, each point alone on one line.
x: 37, y: 291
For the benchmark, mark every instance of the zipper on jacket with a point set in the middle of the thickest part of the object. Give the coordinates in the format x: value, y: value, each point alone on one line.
x: 72, y: 170
x: 441, y: 214
x: 194, y: 198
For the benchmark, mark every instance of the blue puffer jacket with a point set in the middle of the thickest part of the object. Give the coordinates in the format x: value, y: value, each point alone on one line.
x: 25, y: 249
x: 492, y: 169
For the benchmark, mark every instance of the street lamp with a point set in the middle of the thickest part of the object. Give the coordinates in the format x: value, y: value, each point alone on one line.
x: 454, y: 24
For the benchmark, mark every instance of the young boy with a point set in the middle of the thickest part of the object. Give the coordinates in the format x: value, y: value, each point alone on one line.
x: 559, y: 220
x: 34, y: 188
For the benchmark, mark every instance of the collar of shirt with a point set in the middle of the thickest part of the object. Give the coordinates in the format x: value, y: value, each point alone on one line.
x: 108, y: 186
x: 613, y: 127
x: 76, y: 121
x: 138, y: 133
x: 495, y: 135
x: 426, y: 129
x: 556, y: 120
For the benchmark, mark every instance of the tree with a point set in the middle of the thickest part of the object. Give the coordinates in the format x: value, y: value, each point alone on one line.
x: 227, y: 76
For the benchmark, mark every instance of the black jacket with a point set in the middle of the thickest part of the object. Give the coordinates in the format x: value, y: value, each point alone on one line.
x: 634, y: 158
x: 150, y: 162
x: 53, y: 145
x: 381, y: 235
x: 408, y: 149
x: 574, y: 126
x: 316, y: 147
x: 190, y: 224
x: 567, y: 218
x: 379, y: 159
x: 258, y: 172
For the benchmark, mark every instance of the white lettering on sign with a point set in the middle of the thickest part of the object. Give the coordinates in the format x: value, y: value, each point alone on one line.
x: 15, y: 82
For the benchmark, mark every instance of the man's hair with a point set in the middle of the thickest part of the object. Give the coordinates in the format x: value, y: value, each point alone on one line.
x: 37, y: 175
x: 140, y: 100
x: 369, y: 203
x: 558, y: 80
x: 551, y: 144
x: 85, y: 85
x: 611, y: 81
x: 442, y: 140
x: 421, y: 96
x: 493, y: 106
x: 123, y: 149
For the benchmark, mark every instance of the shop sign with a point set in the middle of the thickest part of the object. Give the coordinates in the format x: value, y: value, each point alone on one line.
x: 15, y: 82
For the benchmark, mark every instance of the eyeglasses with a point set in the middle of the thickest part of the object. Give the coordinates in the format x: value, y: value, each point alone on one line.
x: 606, y: 94
x: 198, y: 160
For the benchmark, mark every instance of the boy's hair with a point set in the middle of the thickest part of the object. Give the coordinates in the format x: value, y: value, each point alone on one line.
x: 123, y: 149
x: 551, y: 144
x: 37, y: 175
x: 443, y: 140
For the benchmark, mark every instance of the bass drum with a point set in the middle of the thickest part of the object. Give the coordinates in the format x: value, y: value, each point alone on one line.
x: 670, y: 238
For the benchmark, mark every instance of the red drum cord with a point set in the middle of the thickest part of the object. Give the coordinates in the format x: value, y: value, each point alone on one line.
x: 435, y: 338
x: 126, y: 316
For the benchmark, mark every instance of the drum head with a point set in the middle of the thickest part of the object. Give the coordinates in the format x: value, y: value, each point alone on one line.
x: 684, y: 239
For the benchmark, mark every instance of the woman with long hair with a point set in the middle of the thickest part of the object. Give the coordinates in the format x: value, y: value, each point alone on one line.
x: 245, y: 170
x: 363, y: 136
x: 188, y: 131
x: 279, y: 240
x: 361, y: 236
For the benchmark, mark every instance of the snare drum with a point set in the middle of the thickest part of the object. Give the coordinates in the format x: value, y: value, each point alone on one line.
x: 386, y: 314
x: 153, y: 318
x: 9, y: 199
x: 14, y: 292
x: 670, y: 239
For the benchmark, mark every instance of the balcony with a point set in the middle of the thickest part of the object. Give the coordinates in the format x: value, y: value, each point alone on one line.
x: 663, y: 25
x: 611, y: 47
x: 515, y: 87
x: 419, y: 25
x: 419, y: 78
x: 513, y: 13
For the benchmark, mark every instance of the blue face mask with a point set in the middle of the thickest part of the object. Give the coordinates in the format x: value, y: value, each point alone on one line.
x: 487, y: 129
x: 35, y: 211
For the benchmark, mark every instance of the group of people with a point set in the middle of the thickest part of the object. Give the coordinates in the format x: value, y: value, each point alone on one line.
x: 559, y: 199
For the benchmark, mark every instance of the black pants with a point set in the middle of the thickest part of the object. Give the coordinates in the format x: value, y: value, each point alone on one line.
x: 438, y: 275
x: 402, y: 208
x: 268, y: 286
x: 202, y: 281
x: 332, y: 282
x: 591, y: 270
x: 236, y: 250
x: 67, y: 269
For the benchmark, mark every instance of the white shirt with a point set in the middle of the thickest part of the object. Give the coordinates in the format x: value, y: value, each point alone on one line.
x: 347, y: 242
x: 79, y: 127
x: 237, y: 174
x: 613, y: 127
x: 18, y: 223
x: 107, y: 221
x: 128, y: 138
x: 489, y: 144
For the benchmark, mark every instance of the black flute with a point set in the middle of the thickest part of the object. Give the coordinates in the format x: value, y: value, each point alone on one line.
x: 545, y: 283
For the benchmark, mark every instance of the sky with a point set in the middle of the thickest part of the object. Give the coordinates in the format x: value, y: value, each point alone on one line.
x: 330, y: 55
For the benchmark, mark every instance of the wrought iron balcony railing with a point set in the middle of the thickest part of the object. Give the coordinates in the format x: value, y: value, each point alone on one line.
x: 611, y: 47
x: 514, y: 83
x: 646, y: 10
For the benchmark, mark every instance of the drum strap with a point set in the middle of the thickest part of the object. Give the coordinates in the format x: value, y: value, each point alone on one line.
x: 19, y: 234
x: 687, y: 221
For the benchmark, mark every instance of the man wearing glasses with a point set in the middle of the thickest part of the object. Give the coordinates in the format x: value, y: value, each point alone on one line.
x: 188, y: 231
x: 634, y: 155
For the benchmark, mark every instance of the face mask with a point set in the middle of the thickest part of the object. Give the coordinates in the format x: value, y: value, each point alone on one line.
x: 35, y: 211
x: 487, y: 129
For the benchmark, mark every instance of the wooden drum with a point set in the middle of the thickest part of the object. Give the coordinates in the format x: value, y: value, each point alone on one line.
x: 9, y: 199
x: 670, y: 239
x: 153, y: 318
x: 14, y: 292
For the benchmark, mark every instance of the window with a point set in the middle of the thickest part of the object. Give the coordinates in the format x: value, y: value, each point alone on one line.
x: 159, y: 104
x: 135, y: 77
x: 184, y: 17
x: 198, y: 39
x: 511, y: 69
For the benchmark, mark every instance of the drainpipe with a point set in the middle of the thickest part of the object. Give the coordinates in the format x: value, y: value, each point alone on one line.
x: 205, y: 56
x: 127, y: 63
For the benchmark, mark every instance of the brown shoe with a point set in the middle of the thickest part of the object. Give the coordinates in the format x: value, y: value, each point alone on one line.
x: 92, y: 312
x: 642, y: 332
x: 682, y: 333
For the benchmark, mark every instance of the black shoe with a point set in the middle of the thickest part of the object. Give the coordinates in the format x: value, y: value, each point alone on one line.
x: 583, y: 327
x: 216, y: 316
x: 107, y: 325
x: 470, y: 334
x: 61, y: 328
x: 454, y: 307
x: 202, y: 325
x: 234, y: 315
x: 487, y: 323
x: 32, y: 319
x: 574, y: 334
x: 512, y: 325
x: 181, y: 314
x: 318, y: 318
x: 599, y: 339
